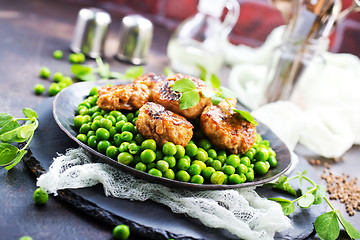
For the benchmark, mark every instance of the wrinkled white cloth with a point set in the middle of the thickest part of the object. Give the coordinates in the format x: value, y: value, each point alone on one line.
x: 241, y: 211
x: 324, y: 112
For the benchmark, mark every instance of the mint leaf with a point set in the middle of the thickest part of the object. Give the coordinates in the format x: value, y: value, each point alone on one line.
x: 286, y: 205
x: 116, y: 75
x: 183, y: 85
x: 351, y: 231
x: 306, y: 200
x: 247, y: 116
x: 216, y: 99
x: 87, y: 77
x: 189, y: 99
x: 16, y: 160
x: 214, y: 81
x: 327, y: 226
x: 227, y: 93
x: 5, y: 118
x: 203, y: 72
x: 207, y: 93
x: 134, y: 72
x: 78, y: 69
x: 28, y: 112
x: 7, y: 153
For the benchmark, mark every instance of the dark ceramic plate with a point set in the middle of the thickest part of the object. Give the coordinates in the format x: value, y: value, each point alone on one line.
x: 64, y: 108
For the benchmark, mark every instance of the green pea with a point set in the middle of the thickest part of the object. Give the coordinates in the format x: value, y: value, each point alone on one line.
x: 169, y: 174
x: 125, y: 158
x: 45, y: 72
x: 191, y: 149
x: 90, y: 133
x: 260, y: 168
x: 228, y: 170
x: 121, y: 232
x: 138, y: 138
x: 112, y: 152
x: 102, y: 134
x: 245, y: 160
x: 216, y: 164
x: 39, y: 89
x: 134, y: 121
x: 54, y: 89
x: 58, y: 76
x: 133, y: 148
x: 207, y: 172
x: 222, y: 153
x: 170, y: 160
x: 103, y: 145
x: 40, y: 196
x: 162, y: 165
x: 149, y: 144
x: 126, y: 136
x: 130, y: 116
x: 242, y: 168
x: 200, y: 163
x: 235, y: 179
x: 119, y: 125
x: 85, y: 128
x: 122, y: 117
x: 147, y: 156
x: 159, y: 154
x: 112, y: 132
x: 205, y: 144
x: 197, y: 179
x: 83, y: 111
x: 272, y: 161
x: 180, y: 152
x: 212, y: 153
x: 155, y: 172
x: 128, y: 127
x: 249, y: 176
x: 92, y: 141
x: 124, y: 147
x: 183, y: 176
x: 201, y: 155
x: 95, y: 114
x: 222, y: 159
x: 233, y: 160
x: 169, y: 149
x: 105, y: 123
x: 78, y: 121
x: 217, y: 177
x: 58, y: 54
x: 183, y: 164
x: 112, y: 119
x: 82, y: 138
x: 140, y: 166
x: 194, y: 169
x: 117, y: 139
x: 115, y: 113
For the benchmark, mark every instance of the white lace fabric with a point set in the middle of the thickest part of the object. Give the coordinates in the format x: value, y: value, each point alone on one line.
x: 241, y: 211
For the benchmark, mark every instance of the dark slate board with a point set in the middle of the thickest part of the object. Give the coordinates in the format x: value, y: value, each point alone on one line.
x: 148, y: 220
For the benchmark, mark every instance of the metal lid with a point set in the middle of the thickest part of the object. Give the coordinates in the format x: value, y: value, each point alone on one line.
x: 135, y: 39
x: 90, y: 32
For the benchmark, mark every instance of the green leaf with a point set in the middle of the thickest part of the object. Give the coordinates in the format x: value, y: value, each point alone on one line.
x: 25, y: 131
x: 208, y: 93
x: 117, y: 75
x: 306, y: 200
x: 203, y: 72
x: 282, y: 185
x: 28, y: 112
x: 8, y: 153
x: 87, y: 77
x: 8, y: 133
x: 319, y: 194
x: 183, y: 85
x: 214, y: 81
x: 216, y: 99
x: 5, y: 118
x: 227, y: 93
x: 327, y: 226
x: 134, y: 72
x: 79, y: 70
x: 286, y: 205
x: 104, y: 72
x: 189, y: 99
x: 247, y: 116
x: 167, y: 71
x: 16, y: 160
x: 351, y: 231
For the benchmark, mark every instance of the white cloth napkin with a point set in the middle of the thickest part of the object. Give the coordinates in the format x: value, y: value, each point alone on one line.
x: 324, y: 111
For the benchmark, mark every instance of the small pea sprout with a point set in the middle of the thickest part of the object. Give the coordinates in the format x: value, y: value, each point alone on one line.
x: 11, y: 131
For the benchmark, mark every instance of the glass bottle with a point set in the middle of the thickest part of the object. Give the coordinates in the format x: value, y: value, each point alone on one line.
x: 198, y: 40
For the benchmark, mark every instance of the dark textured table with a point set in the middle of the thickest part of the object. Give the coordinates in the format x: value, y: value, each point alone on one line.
x: 30, y: 31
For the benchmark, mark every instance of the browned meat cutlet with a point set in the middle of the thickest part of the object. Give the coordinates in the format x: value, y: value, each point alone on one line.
x: 123, y: 97
x: 227, y: 130
x: 163, y: 95
x: 157, y: 123
x: 150, y: 79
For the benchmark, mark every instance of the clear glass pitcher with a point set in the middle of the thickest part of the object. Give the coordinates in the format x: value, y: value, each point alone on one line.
x: 199, y: 39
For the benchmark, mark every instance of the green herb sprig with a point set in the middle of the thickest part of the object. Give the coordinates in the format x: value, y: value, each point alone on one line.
x: 89, y: 73
x: 11, y: 131
x: 190, y: 97
x: 327, y: 224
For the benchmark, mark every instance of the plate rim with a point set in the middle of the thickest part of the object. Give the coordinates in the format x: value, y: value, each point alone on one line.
x: 144, y: 175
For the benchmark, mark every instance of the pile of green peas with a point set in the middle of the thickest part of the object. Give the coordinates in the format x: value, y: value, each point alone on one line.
x: 114, y: 134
